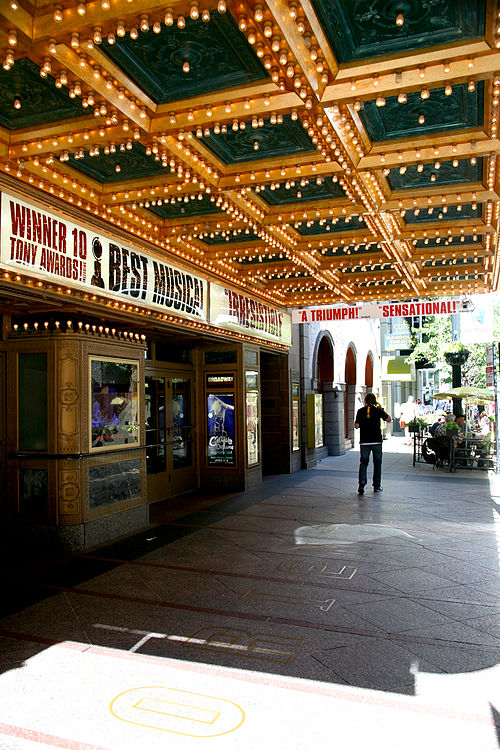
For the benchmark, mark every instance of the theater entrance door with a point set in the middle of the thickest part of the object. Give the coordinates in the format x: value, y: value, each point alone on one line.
x: 170, y: 434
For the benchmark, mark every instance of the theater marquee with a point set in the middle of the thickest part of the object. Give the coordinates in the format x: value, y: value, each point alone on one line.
x: 51, y: 247
x: 237, y: 312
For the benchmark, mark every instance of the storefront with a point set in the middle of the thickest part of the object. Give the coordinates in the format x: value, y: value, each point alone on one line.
x: 126, y: 379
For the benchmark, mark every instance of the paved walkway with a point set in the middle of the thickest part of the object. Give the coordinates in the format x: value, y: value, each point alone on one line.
x: 298, y: 615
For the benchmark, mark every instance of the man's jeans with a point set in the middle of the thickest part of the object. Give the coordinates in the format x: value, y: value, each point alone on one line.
x: 365, y: 450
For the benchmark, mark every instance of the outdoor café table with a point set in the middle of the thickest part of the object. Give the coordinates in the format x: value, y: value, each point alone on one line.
x: 419, y: 439
x: 473, y: 452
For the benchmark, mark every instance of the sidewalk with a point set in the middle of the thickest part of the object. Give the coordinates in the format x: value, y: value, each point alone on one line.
x: 296, y: 615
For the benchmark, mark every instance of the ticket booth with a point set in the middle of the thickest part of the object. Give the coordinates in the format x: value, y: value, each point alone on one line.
x: 75, y: 436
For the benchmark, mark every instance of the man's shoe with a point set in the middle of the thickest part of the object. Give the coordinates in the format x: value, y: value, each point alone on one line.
x: 361, y: 489
x: 377, y: 489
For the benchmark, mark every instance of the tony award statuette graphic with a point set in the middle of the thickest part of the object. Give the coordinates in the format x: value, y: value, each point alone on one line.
x: 97, y: 279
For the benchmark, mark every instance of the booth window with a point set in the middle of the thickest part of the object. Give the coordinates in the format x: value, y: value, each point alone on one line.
x: 32, y: 401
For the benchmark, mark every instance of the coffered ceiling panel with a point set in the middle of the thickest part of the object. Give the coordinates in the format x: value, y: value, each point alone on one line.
x: 359, y: 29
x: 215, y: 52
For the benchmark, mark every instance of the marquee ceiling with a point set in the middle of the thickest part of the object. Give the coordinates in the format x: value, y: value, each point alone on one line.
x: 308, y: 152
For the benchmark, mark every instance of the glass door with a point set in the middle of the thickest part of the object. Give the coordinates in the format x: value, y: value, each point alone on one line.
x: 170, y: 435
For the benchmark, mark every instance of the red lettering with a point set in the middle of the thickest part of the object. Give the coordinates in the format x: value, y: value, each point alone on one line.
x: 17, y: 218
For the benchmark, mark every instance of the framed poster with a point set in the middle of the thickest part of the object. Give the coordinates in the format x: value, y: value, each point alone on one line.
x: 314, y: 420
x: 221, y: 445
x: 113, y: 402
x: 295, y: 417
x: 252, y: 416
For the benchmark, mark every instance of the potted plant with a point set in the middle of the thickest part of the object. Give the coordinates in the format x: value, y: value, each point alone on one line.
x: 456, y: 354
x: 417, y: 424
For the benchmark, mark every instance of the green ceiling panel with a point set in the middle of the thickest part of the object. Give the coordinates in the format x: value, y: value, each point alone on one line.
x: 454, y: 242
x: 350, y: 251
x: 238, y: 146
x: 41, y: 100
x: 359, y: 29
x: 218, y: 54
x: 318, y: 227
x: 182, y: 209
x: 133, y: 163
x: 326, y: 188
x: 237, y: 235
x: 452, y: 213
x: 461, y: 109
x: 447, y: 174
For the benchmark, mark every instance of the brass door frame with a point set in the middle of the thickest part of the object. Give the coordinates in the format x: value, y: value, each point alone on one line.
x: 172, y: 481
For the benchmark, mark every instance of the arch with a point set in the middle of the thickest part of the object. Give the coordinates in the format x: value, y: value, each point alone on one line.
x: 324, y: 361
x: 350, y: 384
x: 369, y: 370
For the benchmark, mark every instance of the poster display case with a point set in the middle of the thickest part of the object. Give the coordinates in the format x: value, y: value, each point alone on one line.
x: 295, y: 417
x: 114, y: 417
x: 252, y: 417
x: 314, y: 420
x: 221, y: 423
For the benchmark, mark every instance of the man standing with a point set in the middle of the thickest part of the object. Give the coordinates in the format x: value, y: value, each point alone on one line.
x: 408, y: 413
x: 370, y: 441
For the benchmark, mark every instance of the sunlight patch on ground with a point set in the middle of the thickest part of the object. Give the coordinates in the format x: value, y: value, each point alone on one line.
x: 344, y: 533
x: 79, y: 696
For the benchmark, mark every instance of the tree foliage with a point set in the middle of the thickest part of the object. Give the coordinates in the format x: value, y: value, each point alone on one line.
x: 435, y: 338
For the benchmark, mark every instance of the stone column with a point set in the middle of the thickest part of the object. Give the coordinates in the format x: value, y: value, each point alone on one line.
x: 333, y: 412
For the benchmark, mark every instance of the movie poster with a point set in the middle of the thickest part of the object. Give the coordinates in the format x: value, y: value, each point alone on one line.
x: 220, y: 429
x: 252, y: 398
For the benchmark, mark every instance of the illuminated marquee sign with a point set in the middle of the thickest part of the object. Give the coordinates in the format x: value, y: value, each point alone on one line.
x: 53, y: 248
x: 235, y: 311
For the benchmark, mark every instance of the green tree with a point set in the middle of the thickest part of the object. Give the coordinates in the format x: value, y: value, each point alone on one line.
x: 436, y: 339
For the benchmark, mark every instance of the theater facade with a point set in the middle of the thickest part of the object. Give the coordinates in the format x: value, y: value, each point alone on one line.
x: 176, y: 182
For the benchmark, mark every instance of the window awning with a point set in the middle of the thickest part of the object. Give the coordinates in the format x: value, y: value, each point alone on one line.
x: 395, y: 368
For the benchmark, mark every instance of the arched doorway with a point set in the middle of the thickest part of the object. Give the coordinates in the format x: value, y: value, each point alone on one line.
x: 325, y: 363
x: 350, y: 387
x: 369, y: 371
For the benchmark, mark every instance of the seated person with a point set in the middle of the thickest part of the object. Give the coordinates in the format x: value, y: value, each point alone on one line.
x: 439, y: 420
x: 462, y: 423
x: 443, y: 436
x: 484, y: 424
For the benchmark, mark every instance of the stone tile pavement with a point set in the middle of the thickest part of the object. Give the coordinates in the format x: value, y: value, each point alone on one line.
x: 295, y: 615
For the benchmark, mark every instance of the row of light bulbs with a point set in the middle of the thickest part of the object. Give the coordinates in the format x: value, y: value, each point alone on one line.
x: 144, y: 23
x: 420, y: 167
x: 380, y: 101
